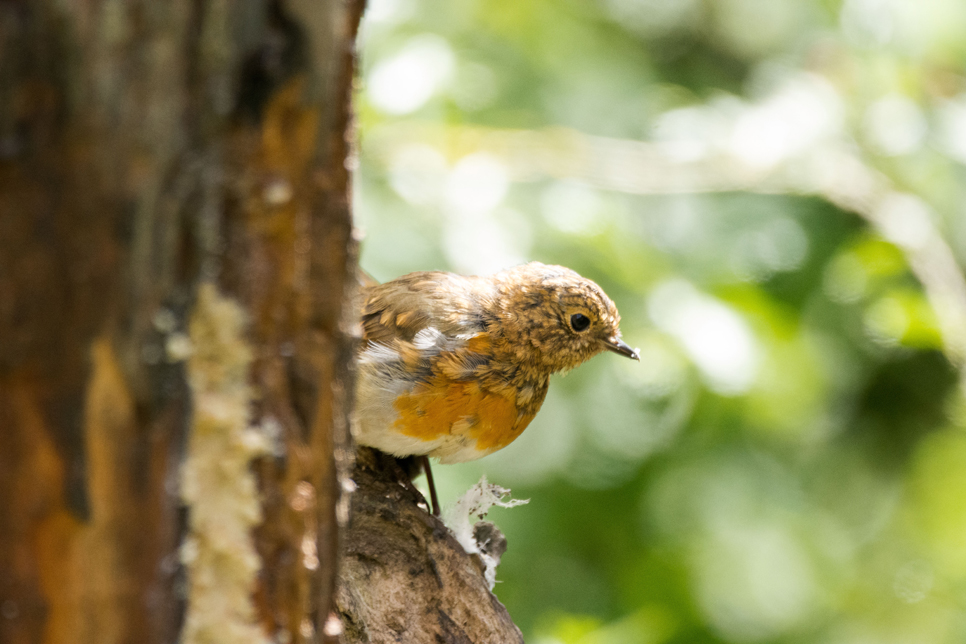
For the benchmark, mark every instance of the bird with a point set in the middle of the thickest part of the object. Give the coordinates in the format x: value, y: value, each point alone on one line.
x: 455, y: 367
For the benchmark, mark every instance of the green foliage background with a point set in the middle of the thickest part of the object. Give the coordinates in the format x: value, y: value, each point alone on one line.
x: 788, y: 461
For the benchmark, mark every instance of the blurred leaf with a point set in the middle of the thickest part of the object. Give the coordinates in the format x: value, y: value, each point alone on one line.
x: 785, y: 464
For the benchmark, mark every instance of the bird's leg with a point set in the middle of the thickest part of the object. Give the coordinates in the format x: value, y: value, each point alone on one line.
x: 405, y: 478
x: 432, y: 486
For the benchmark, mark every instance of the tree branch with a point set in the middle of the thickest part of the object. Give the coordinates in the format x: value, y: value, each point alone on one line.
x: 405, y: 577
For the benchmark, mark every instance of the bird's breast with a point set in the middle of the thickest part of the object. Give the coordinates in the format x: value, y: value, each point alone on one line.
x: 453, y: 402
x: 477, y: 421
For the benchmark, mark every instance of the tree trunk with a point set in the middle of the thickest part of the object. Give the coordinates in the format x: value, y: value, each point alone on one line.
x: 177, y: 269
x: 175, y: 254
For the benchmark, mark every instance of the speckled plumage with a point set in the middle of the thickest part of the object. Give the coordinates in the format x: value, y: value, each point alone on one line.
x: 456, y: 367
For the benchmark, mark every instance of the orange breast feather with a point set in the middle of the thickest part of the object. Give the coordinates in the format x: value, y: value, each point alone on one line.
x: 465, y: 410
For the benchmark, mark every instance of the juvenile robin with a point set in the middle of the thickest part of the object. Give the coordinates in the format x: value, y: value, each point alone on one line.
x: 456, y: 367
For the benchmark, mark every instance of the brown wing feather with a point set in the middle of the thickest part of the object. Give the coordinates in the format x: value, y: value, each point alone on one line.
x: 403, y: 307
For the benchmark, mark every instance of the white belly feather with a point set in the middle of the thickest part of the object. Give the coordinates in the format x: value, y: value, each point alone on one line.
x: 381, y: 379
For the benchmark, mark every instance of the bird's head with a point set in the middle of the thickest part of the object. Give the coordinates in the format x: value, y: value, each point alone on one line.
x: 555, y: 319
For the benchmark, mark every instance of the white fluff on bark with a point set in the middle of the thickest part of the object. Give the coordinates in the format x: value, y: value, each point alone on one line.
x: 476, y: 502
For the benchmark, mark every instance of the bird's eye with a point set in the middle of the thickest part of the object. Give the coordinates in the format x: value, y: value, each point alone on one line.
x: 579, y: 322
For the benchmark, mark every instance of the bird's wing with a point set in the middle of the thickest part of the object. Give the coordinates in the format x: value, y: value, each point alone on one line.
x: 423, y: 326
x: 400, y: 309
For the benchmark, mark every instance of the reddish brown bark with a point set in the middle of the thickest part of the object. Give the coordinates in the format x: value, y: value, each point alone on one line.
x: 147, y: 148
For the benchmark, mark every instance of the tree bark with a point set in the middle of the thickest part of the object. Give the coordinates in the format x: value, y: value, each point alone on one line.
x: 404, y: 577
x: 177, y: 273
x: 175, y: 254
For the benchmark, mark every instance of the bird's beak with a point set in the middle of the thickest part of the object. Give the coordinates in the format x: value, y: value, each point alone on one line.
x: 619, y: 346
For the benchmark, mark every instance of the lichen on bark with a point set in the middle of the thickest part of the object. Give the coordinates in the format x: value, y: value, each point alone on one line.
x: 217, y: 485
